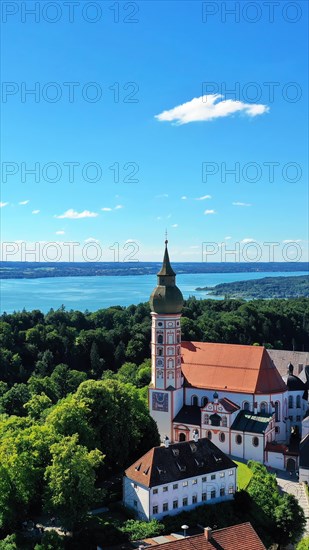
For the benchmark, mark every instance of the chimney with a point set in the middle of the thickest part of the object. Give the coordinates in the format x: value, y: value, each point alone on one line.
x: 207, y: 533
x: 166, y: 442
x: 195, y: 436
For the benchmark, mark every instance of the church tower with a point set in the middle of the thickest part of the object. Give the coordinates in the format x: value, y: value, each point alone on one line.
x: 166, y: 392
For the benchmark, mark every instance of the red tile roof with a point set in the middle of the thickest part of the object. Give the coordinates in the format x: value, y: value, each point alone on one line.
x: 230, y: 367
x: 236, y: 537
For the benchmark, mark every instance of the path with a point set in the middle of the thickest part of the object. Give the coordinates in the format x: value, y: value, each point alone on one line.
x: 291, y: 485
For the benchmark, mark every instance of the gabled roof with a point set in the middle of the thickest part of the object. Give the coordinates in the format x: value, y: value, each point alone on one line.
x: 189, y: 414
x: 247, y: 421
x: 230, y: 367
x: 228, y: 405
x: 179, y: 461
x: 236, y: 537
x: 282, y: 358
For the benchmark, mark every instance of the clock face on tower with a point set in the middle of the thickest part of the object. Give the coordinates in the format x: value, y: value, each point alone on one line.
x: 159, y: 401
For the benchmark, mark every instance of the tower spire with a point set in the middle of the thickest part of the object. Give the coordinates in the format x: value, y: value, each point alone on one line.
x: 166, y: 269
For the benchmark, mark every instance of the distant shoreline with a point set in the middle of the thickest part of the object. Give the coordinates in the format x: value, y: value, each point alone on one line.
x: 269, y: 287
x: 38, y: 270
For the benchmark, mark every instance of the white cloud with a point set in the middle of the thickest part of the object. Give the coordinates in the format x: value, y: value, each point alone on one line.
x: 175, y: 225
x: 73, y: 215
x: 2, y: 204
x: 203, y: 198
x: 184, y: 198
x: 22, y: 203
x: 35, y: 211
x: 209, y: 212
x: 208, y: 107
x: 106, y: 209
x: 118, y: 207
x: 158, y: 218
x: 241, y: 204
x: 227, y: 238
x: 60, y: 232
x: 195, y: 246
x: 247, y: 240
x: 163, y: 196
x: 91, y: 240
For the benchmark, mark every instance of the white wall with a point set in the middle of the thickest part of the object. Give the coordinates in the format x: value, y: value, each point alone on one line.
x: 275, y: 460
x: 163, y: 419
x: 246, y: 449
x: 303, y: 475
x: 192, y: 489
x: 136, y: 497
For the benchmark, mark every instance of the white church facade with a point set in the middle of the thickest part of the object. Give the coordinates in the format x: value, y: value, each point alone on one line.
x: 231, y: 394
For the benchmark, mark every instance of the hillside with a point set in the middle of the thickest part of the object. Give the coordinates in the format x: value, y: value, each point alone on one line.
x: 268, y: 287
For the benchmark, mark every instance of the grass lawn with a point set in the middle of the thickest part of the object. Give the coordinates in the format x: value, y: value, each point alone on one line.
x: 244, y: 474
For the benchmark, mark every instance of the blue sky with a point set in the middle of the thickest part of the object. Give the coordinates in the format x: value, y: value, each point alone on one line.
x: 147, y: 124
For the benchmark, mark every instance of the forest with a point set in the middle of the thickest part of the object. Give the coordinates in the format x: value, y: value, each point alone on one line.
x: 268, y: 287
x: 65, y: 379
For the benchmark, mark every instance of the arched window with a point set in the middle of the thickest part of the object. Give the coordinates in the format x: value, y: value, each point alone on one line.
x: 290, y: 401
x: 182, y: 437
x: 160, y: 338
x: 224, y: 421
x: 255, y: 441
x: 178, y: 338
x: 160, y: 351
x: 277, y: 411
x: 298, y: 401
x: 209, y: 434
x: 170, y: 351
x: 263, y: 407
x: 204, y: 401
x: 238, y: 439
x: 170, y: 338
x: 222, y: 437
x: 206, y: 419
x: 194, y: 400
x: 246, y: 406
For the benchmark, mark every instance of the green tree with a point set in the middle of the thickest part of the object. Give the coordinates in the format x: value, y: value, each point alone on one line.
x: 71, y: 480
x: 37, y: 405
x: 290, y: 520
x: 69, y: 417
x: 50, y: 541
x: 303, y: 544
x: 13, y: 401
x: 9, y: 543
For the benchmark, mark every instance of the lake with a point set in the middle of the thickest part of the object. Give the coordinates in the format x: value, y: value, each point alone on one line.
x: 93, y: 293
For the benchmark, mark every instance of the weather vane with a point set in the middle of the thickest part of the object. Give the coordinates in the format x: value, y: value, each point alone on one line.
x: 166, y: 241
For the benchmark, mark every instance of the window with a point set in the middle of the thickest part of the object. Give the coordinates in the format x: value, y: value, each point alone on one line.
x: 277, y: 430
x: 277, y: 411
x: 194, y: 499
x: 155, y: 509
x: 194, y: 481
x: 178, y: 338
x: 185, y: 501
x: 255, y: 441
x: 175, y: 504
x: 231, y: 472
x: 263, y: 407
x: 291, y: 418
x: 231, y: 489
x: 224, y: 421
x: 298, y: 418
x: 238, y: 439
x: 194, y: 400
x: 209, y: 435
x: 160, y: 324
x: 222, y: 491
x: 246, y: 406
x: 165, y: 488
x: 204, y: 401
x: 135, y: 486
x: 222, y: 474
x: 206, y: 419
x: 135, y: 503
x: 175, y: 486
x: 222, y: 437
x: 290, y: 401
x: 215, y: 419
x: 160, y: 339
x: 204, y: 497
x: 298, y: 401
x: 165, y: 507
x: 204, y: 479
x: 213, y: 494
x: 155, y: 491
x: 213, y: 476
x: 160, y: 351
x: 185, y: 484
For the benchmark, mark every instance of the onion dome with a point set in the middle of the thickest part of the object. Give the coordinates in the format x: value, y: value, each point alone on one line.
x: 166, y: 297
